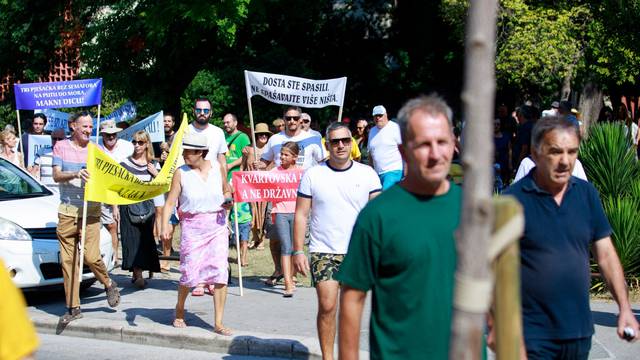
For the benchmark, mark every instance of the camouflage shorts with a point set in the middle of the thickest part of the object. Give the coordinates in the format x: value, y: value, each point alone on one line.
x: 324, y: 266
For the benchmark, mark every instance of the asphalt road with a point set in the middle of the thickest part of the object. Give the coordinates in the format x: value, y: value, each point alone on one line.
x: 57, y: 347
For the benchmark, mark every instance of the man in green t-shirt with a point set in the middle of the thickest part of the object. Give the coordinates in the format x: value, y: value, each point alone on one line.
x: 236, y: 141
x: 403, y: 249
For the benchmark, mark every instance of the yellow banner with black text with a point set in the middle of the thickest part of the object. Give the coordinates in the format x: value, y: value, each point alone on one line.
x: 112, y: 184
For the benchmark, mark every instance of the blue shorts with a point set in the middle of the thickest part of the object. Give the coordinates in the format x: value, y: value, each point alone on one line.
x: 284, y: 229
x: 389, y: 178
x: 574, y: 349
x: 244, y: 229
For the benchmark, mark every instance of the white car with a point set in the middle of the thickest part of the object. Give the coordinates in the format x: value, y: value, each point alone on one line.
x: 28, y: 242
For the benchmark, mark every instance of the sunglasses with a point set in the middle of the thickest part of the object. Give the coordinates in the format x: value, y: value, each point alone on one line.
x: 289, y: 118
x: 109, y: 135
x: 57, y: 138
x: 202, y: 111
x: 138, y: 142
x: 306, y: 121
x: 344, y: 141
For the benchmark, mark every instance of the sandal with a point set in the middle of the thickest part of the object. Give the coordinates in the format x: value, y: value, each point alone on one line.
x: 198, y: 291
x: 140, y: 283
x: 72, y: 314
x: 222, y: 331
x: 179, y: 323
x: 209, y: 289
x: 113, y: 294
x: 273, y: 280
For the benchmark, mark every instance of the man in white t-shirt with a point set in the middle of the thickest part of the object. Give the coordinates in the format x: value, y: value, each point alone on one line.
x: 311, y: 151
x: 215, y: 136
x: 305, y: 123
x: 118, y: 150
x: 333, y: 192
x: 384, y: 155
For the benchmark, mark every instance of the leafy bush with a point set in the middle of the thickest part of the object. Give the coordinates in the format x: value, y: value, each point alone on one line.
x: 610, y: 163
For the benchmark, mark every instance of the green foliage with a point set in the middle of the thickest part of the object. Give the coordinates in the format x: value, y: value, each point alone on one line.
x: 610, y: 164
x: 7, y: 116
x: 623, y: 217
x: 207, y: 84
x: 609, y: 159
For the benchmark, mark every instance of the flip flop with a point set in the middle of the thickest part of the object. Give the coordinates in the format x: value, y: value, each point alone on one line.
x: 179, y: 323
x: 223, y: 331
x: 209, y: 289
x: 197, y: 291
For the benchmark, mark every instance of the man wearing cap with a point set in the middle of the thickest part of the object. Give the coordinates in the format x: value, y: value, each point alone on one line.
x: 278, y: 125
x: 384, y: 155
x: 553, y: 111
x: 118, y: 150
x: 311, y: 151
x: 306, y: 124
x: 215, y: 136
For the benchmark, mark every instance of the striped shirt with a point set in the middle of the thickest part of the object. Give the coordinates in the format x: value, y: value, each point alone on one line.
x: 142, y: 173
x: 69, y: 157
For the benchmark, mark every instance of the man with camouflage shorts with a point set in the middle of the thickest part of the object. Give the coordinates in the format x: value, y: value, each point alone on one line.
x: 334, y: 192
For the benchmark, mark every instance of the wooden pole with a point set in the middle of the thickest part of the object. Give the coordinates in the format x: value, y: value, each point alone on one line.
x: 342, y: 102
x: 253, y: 130
x: 507, y: 312
x: 473, y: 281
x: 82, y: 237
x: 235, y: 220
x: 20, y: 136
x: 98, y: 125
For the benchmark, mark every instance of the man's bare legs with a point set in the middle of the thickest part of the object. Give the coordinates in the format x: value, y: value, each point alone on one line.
x: 326, y: 321
x: 113, y: 231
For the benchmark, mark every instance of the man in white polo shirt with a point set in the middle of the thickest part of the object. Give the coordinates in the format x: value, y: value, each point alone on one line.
x: 384, y: 155
x: 333, y: 192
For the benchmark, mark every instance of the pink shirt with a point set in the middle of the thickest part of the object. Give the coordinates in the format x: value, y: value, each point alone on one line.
x: 284, y: 207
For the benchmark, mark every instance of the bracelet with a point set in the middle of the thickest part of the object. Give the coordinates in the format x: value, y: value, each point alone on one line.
x: 297, y: 252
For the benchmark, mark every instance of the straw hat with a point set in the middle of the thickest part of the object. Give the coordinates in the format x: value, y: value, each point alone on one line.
x: 262, y: 128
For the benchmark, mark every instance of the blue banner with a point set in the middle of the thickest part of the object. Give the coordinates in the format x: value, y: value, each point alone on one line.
x: 153, y: 125
x: 125, y: 112
x: 64, y: 94
x: 55, y: 119
x: 36, y: 143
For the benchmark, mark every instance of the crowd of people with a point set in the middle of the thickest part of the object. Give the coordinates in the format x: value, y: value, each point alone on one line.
x: 376, y: 210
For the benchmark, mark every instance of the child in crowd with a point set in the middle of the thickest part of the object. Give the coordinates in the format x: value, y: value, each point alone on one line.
x: 283, y: 212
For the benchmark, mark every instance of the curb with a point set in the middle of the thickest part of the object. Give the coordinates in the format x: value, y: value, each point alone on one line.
x: 242, y: 343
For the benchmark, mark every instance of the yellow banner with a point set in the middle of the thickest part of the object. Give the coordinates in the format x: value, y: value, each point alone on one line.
x: 111, y: 183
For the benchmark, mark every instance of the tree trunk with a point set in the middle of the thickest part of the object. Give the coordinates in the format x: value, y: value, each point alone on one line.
x: 590, y: 104
x: 478, y: 97
x: 566, y: 84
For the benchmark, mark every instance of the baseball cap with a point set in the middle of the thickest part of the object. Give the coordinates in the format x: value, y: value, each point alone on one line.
x: 555, y: 104
x: 109, y: 127
x: 379, y: 110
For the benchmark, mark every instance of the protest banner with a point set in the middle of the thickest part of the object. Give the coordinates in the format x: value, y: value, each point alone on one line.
x: 55, y: 119
x: 152, y: 125
x: 290, y: 90
x: 125, y: 112
x: 256, y: 186
x: 36, y: 143
x: 64, y: 94
x: 113, y: 184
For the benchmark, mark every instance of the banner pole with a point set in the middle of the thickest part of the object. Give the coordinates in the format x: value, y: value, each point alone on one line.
x: 253, y: 131
x: 82, y: 238
x: 235, y: 220
x: 98, y: 124
x: 20, y: 136
x: 344, y: 90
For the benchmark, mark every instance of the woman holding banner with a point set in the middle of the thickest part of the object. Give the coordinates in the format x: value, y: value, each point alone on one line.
x: 197, y: 187
x: 136, y: 220
x: 8, y: 150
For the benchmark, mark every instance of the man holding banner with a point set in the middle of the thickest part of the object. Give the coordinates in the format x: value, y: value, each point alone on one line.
x: 334, y: 193
x: 69, y: 171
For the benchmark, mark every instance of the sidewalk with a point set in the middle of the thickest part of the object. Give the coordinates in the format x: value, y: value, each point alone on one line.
x: 264, y: 323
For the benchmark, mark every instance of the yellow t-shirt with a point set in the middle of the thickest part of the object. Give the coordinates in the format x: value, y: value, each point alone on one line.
x: 355, y: 151
x: 17, y: 335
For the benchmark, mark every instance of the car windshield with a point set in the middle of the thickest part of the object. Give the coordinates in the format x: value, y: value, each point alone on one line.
x: 16, y: 184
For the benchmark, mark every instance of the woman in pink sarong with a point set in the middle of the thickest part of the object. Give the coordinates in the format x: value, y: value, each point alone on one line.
x: 198, y: 189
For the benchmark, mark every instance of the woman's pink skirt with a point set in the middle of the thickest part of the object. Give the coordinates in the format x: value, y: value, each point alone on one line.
x: 204, y: 249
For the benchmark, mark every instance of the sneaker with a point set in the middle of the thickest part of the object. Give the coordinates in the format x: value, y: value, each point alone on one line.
x: 113, y: 294
x: 72, y: 314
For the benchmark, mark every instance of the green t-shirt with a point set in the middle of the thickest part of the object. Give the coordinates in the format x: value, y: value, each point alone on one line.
x: 402, y: 248
x: 244, y: 214
x: 235, y: 142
